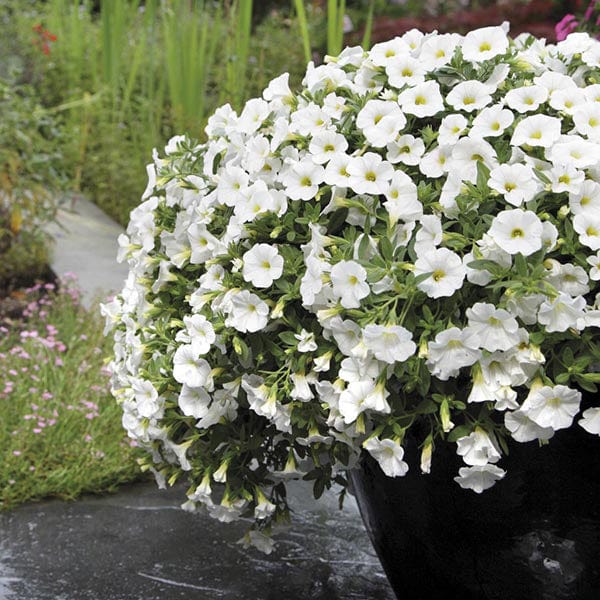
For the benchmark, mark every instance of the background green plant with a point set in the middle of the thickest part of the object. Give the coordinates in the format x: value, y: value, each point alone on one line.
x: 30, y: 176
x: 124, y: 76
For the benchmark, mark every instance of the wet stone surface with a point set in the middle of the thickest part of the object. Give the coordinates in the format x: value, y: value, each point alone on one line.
x: 139, y: 545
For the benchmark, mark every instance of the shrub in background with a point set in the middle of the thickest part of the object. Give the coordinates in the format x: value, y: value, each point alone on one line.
x: 30, y: 176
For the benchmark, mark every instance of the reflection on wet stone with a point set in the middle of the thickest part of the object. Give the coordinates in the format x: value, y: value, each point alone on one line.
x: 138, y: 544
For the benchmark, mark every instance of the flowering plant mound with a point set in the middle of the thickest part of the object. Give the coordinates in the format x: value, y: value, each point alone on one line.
x: 411, y: 239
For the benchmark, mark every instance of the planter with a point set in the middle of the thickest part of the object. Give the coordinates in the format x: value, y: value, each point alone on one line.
x: 535, y: 535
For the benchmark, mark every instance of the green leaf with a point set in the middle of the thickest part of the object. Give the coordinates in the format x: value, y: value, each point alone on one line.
x: 483, y: 264
x: 337, y: 220
x: 287, y: 337
x: 387, y: 250
x: 426, y: 407
x: 483, y: 175
x: 521, y: 265
x: 458, y: 432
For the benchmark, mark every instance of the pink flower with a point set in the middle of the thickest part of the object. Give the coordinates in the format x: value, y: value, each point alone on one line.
x: 590, y: 11
x: 565, y: 26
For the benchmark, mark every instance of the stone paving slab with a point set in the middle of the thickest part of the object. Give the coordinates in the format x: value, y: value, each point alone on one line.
x: 139, y: 545
x: 86, y: 244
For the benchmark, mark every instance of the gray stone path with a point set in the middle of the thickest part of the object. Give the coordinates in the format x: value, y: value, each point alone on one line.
x: 138, y: 544
x: 86, y: 244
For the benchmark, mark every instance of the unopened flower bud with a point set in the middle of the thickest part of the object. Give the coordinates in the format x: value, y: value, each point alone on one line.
x: 447, y: 424
x: 426, y: 455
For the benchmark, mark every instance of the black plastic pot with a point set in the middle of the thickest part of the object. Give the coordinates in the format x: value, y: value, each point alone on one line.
x: 535, y: 535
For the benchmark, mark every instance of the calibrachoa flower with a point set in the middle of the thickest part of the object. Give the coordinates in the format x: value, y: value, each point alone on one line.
x: 413, y: 238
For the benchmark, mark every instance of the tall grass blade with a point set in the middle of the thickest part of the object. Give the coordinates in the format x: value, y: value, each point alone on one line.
x: 366, y: 41
x: 303, y: 25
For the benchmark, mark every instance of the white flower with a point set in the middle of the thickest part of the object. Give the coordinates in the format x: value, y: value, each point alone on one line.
x: 388, y: 453
x: 326, y: 144
x: 491, y: 122
x: 517, y: 231
x: 349, y: 282
x: 402, y: 199
x: 537, y: 130
x: 359, y: 368
x: 478, y: 448
x: 422, y: 100
x: 594, y: 261
x: 198, y: 332
x: 262, y: 265
x: 346, y: 334
x: 568, y: 278
x: 336, y: 172
x: 523, y: 429
x: 193, y: 401
x: 429, y: 235
x: 451, y: 350
x: 467, y: 152
x: 278, y: 89
x: 309, y: 119
x: 406, y: 149
x: 565, y: 178
x: 591, y: 420
x: 567, y: 100
x: 446, y: 269
x: 587, y: 225
x: 301, y: 390
x: 189, y: 369
x: 586, y: 199
x: 369, y: 174
x: 587, y: 120
x: 491, y: 328
x: 311, y: 283
x: 469, y: 96
x: 405, y: 70
x: 353, y: 400
x: 451, y: 128
x: 264, y: 508
x: 574, y: 151
x: 248, y: 312
x: 306, y: 341
x: 436, y: 162
x: 479, y: 478
x: 380, y: 122
x: 253, y: 115
x: 302, y: 180
x: 148, y: 403
x: 517, y: 183
x: 562, y: 313
x: 203, y: 244
x: 484, y: 43
x: 527, y: 98
x: 436, y: 51
x: 383, y: 53
x: 552, y: 407
x: 389, y: 343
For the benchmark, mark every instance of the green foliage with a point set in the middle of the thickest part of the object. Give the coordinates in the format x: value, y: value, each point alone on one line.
x: 30, y: 175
